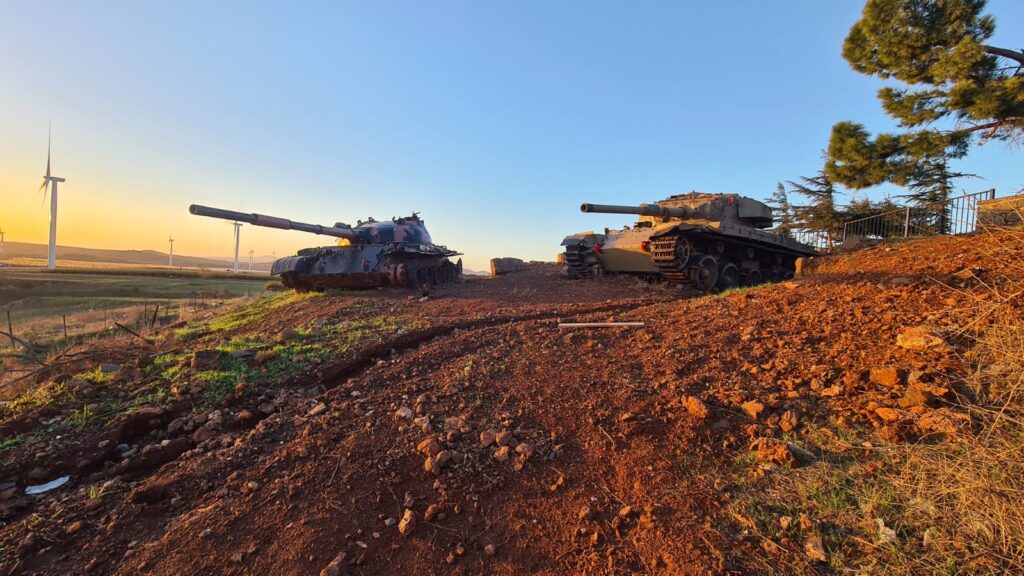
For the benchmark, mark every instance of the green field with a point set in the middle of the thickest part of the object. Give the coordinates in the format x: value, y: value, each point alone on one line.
x: 40, y: 301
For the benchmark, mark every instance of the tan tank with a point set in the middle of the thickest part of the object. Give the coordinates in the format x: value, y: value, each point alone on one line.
x: 711, y: 241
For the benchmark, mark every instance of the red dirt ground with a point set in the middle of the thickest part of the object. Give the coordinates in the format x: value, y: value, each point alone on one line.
x: 619, y: 477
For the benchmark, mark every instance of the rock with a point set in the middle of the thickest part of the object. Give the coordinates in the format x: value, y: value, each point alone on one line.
x: 430, y: 465
x: 404, y: 413
x: 886, y: 535
x: 886, y: 376
x: 524, y: 449
x: 815, y: 550
x: 444, y: 456
x: 752, y: 408
x: 773, y: 450
x: 246, y: 416
x: 888, y: 414
x: 318, y: 409
x: 937, y: 422
x: 501, y: 266
x: 788, y: 421
x: 695, y: 406
x: 408, y: 522
x: 501, y: 454
x: 917, y: 394
x: 831, y: 391
x: 243, y: 355
x: 74, y: 527
x: 489, y: 550
x: 785, y: 522
x: 389, y: 522
x: 428, y: 447
x: 267, y: 408
x: 287, y: 334
x: 431, y: 512
x: 109, y: 368
x: 503, y: 438
x: 487, y: 437
x: 266, y: 356
x: 126, y: 373
x: 336, y: 567
x: 206, y: 360
x: 202, y: 434
x: 625, y: 512
x: 919, y: 338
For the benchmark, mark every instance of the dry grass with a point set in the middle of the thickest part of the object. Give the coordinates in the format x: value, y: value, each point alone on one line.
x: 964, y: 497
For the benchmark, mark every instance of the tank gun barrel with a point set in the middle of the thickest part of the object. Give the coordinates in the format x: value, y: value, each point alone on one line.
x: 641, y: 210
x: 271, y: 222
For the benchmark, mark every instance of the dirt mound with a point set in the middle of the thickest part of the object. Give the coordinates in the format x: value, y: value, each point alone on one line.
x: 465, y: 432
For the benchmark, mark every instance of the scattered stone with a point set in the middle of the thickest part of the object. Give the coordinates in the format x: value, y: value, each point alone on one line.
x: 74, y: 527
x: 489, y: 550
x: 408, y: 522
x: 788, y: 421
x: 109, y: 368
x: 831, y: 391
x: 886, y: 535
x: 318, y: 409
x: 919, y: 338
x: 487, y: 437
x: 888, y: 414
x: 267, y: 408
x: 501, y: 454
x: 202, y: 434
x: 625, y: 512
x: 524, y: 449
x: 390, y: 521
x: 287, y: 334
x: 404, y: 413
x: 431, y: 512
x: 206, y: 360
x: 785, y: 522
x: 431, y: 465
x: 772, y: 450
x: 886, y: 376
x: 266, y: 356
x: 815, y: 549
x: 752, y: 408
x: 696, y: 407
x: 503, y: 438
x: 444, y: 456
x: 429, y: 447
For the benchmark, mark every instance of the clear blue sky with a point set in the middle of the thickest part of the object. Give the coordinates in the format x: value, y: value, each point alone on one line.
x: 495, y: 120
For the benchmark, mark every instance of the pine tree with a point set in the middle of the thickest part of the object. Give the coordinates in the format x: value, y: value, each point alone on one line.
x: 930, y: 189
x: 937, y: 50
x: 821, y: 214
x: 782, y: 212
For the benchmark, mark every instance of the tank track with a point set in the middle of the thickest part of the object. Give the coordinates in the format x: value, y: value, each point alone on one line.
x: 663, y: 252
x: 417, y: 275
x: 574, y: 258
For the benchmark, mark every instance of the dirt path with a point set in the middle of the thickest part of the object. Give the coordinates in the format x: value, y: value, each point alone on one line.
x: 603, y: 467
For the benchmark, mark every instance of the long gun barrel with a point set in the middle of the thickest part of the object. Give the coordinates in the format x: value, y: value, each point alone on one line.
x: 641, y: 210
x: 271, y: 222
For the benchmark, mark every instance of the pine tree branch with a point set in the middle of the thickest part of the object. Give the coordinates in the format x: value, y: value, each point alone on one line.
x: 1011, y: 54
x: 1011, y: 121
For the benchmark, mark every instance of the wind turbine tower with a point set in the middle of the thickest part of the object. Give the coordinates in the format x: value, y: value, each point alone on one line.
x: 238, y: 226
x: 170, y: 251
x: 1, y: 241
x: 250, y: 258
x: 50, y: 185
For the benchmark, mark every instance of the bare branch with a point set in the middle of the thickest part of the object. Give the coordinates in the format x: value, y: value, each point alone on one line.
x: 1011, y: 54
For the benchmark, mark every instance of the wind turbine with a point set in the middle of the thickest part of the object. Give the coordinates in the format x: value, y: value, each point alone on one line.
x: 238, y: 226
x: 51, y: 181
x: 250, y: 258
x: 1, y: 241
x: 170, y: 252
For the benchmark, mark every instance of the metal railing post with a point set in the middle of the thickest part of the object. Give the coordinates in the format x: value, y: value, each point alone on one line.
x: 906, y: 223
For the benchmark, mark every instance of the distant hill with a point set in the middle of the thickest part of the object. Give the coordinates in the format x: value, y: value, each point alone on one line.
x: 139, y: 257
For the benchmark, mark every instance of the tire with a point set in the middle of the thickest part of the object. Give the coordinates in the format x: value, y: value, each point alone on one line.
x: 705, y: 273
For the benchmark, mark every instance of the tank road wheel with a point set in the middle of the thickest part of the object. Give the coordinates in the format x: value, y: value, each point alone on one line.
x: 753, y: 277
x: 683, y: 251
x: 729, y: 277
x: 705, y: 273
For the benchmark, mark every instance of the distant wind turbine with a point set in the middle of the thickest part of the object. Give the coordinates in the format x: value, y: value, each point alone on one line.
x: 50, y: 185
x: 1, y: 241
x: 250, y: 259
x: 238, y: 226
x: 170, y: 252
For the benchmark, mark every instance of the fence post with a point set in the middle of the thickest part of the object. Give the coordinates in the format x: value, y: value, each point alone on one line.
x: 906, y: 223
x: 992, y: 194
x: 845, y: 224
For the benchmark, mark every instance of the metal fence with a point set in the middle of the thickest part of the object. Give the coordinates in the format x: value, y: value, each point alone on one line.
x: 816, y: 238
x: 957, y: 215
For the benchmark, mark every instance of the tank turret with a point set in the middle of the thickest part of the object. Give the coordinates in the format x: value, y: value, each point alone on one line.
x: 707, y: 240
x: 373, y: 253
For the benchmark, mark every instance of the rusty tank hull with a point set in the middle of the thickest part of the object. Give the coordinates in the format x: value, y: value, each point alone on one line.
x: 708, y: 241
x: 372, y: 254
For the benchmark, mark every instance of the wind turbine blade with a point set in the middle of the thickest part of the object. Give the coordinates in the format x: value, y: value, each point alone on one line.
x: 46, y: 189
x: 47, y: 153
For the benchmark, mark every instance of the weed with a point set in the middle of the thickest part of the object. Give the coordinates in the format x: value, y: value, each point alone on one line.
x: 12, y: 442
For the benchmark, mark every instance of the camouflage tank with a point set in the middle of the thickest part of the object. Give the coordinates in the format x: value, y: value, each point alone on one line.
x: 397, y: 253
x: 710, y: 241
